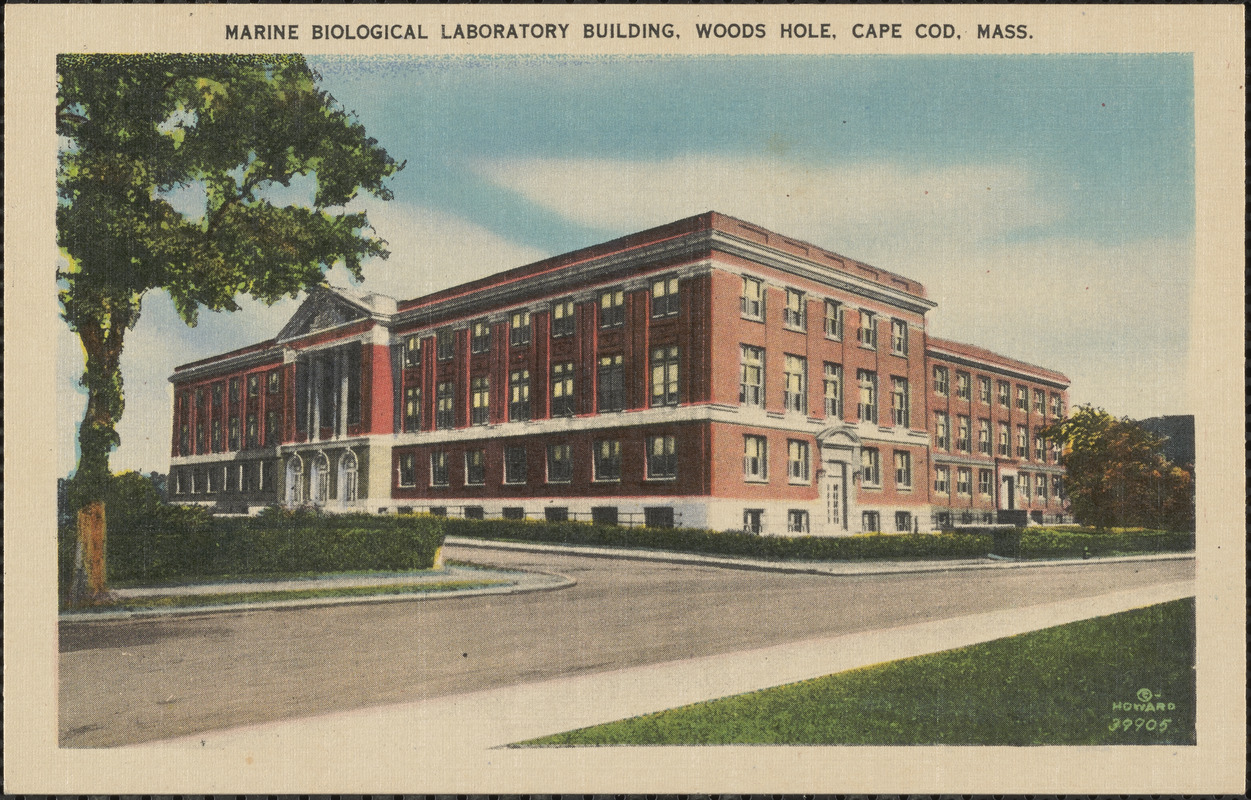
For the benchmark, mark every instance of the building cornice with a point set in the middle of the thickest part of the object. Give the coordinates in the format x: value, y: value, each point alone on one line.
x: 990, y: 366
x: 229, y: 364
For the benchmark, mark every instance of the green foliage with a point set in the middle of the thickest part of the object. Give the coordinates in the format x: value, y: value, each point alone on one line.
x: 171, y: 543
x: 1051, y: 687
x: 1116, y: 476
x: 135, y: 130
x: 1035, y: 542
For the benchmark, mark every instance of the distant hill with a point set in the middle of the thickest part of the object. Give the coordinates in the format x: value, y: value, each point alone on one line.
x: 1179, y: 433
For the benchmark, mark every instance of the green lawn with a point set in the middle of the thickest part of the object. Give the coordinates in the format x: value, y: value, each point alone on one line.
x: 1051, y: 687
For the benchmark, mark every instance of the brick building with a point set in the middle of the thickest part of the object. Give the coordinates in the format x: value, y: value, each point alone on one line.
x: 705, y: 373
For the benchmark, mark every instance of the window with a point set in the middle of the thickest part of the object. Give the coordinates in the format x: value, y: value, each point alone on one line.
x: 868, y: 395
x: 1040, y: 449
x: 444, y: 345
x: 273, y: 428
x: 870, y: 521
x: 942, y: 431
x: 941, y: 381
x: 964, y: 481
x: 755, y: 458
x: 519, y: 328
x: 604, y: 515
x: 899, y: 337
x: 1022, y: 399
x: 275, y: 384
x: 438, y: 468
x: 983, y: 482
x: 1002, y: 390
x: 942, y: 480
x: 562, y: 389
x: 963, y: 386
x: 1040, y: 487
x: 1055, y: 452
x: 184, y: 438
x: 1022, y: 442
x: 899, y: 401
x: 1055, y: 405
x: 562, y: 318
x: 612, y: 308
x: 983, y: 389
x: 1022, y: 486
x: 983, y: 436
x: 217, y: 399
x: 408, y: 470
x: 795, y: 315
x: 559, y: 463
x: 963, y: 434
x: 234, y: 391
x: 608, y: 460
x: 753, y: 520
x: 556, y: 513
x: 833, y: 319
x: 1057, y: 487
x: 480, y: 400
x: 658, y: 516
x: 513, y: 512
x: 412, y: 352
x: 514, y: 465
x: 795, y: 388
x: 796, y: 521
x: 665, y: 296
x: 662, y: 457
x: 412, y: 408
x: 903, y: 469
x: 834, y: 390
x: 216, y: 436
x: 870, y: 467
x: 232, y: 435
x: 519, y: 395
x: 665, y: 376
x: 1040, y: 402
x: 252, y: 434
x: 475, y: 467
x: 751, y: 376
x: 799, y: 463
x: 475, y: 512
x: 444, y: 411
x: 1005, y: 446
x: 903, y: 522
x: 611, y: 383
x: 751, y: 304
x: 867, y: 335
x: 254, y: 388
x: 480, y: 337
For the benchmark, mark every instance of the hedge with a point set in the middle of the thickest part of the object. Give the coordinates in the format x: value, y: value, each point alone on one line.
x: 174, y: 546
x: 1035, y: 542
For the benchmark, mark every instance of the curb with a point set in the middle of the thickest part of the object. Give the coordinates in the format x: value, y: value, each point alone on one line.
x: 829, y: 568
x: 558, y: 581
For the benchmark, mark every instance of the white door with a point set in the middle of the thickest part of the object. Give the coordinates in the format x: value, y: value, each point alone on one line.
x: 835, y: 502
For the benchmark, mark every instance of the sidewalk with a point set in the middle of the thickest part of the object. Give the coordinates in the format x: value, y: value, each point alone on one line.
x: 458, y: 743
x: 798, y: 567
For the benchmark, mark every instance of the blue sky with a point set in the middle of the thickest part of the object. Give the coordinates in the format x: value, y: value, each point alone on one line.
x: 1046, y: 202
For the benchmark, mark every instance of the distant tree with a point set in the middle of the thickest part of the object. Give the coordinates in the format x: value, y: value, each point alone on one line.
x: 1116, y: 475
x: 136, y: 130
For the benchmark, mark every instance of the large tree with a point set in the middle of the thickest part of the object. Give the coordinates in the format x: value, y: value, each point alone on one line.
x: 1117, y: 476
x: 145, y: 138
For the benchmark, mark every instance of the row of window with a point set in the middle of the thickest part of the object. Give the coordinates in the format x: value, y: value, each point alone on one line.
x: 243, y: 478
x: 665, y: 302
x: 751, y: 389
x: 795, y: 317
x: 797, y: 521
x: 985, y: 479
x: 610, y: 391
x: 756, y: 460
x: 964, y: 391
x: 661, y: 459
x: 201, y: 420
x: 1043, y: 450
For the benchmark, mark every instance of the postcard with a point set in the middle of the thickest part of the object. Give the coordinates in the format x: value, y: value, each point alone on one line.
x: 481, y: 399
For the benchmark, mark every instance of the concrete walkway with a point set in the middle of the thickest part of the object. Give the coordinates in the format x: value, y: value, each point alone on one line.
x: 800, y: 567
x: 457, y: 744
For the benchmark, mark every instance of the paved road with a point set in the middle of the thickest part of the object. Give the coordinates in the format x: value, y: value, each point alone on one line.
x: 130, y: 682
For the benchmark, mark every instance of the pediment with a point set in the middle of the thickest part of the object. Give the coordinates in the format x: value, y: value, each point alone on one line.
x: 323, y: 309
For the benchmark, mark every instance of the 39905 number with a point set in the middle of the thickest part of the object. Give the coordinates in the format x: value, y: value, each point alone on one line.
x: 1128, y: 724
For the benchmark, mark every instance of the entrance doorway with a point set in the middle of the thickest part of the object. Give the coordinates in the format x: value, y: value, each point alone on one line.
x: 834, y: 490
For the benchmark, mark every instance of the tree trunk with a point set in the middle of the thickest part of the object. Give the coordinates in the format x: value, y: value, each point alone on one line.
x: 88, y: 586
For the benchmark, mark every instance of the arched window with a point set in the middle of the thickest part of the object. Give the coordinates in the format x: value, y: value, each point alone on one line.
x: 348, y: 476
x: 319, y: 485
x: 295, y: 480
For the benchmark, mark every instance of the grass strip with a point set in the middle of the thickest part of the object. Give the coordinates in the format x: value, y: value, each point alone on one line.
x: 236, y: 598
x: 1076, y: 684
